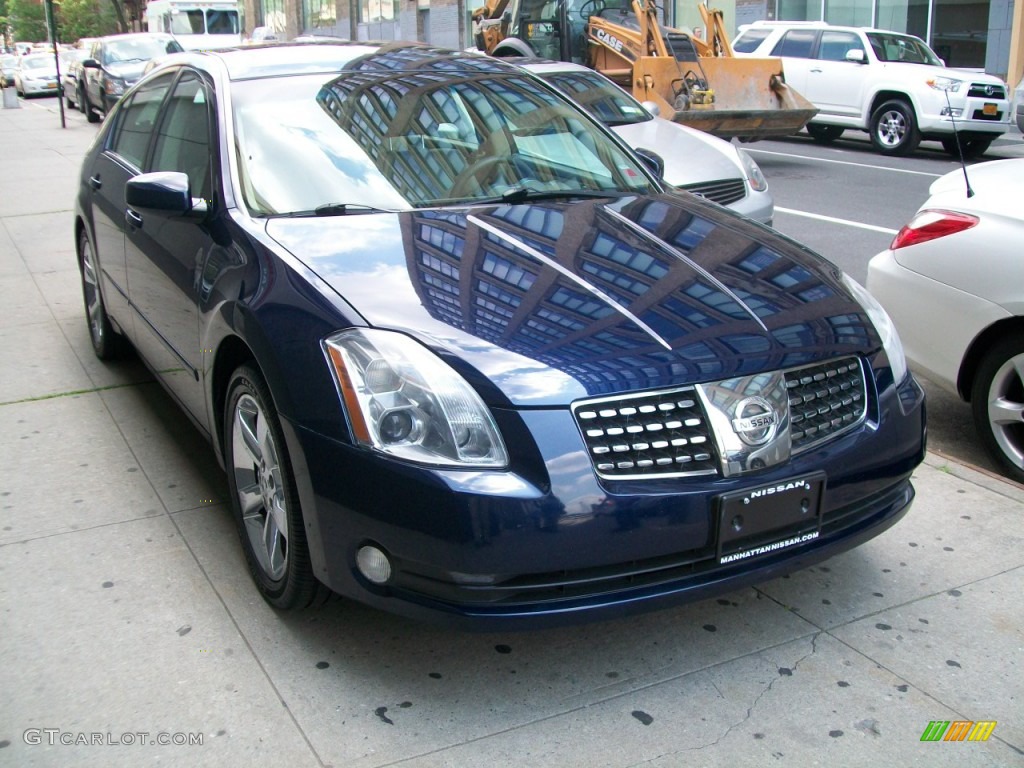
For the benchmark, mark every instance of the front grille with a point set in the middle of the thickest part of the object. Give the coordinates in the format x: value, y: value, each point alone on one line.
x: 977, y: 91
x: 825, y: 401
x: 655, y: 434
x: 723, y: 192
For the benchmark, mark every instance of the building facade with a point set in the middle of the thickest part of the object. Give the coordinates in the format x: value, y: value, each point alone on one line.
x: 973, y: 34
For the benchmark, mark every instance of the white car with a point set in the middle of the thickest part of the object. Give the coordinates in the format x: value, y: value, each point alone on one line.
x: 695, y: 161
x: 953, y: 283
x: 890, y: 84
x: 36, y: 75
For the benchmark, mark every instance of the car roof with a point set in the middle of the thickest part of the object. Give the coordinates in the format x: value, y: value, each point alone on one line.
x: 820, y: 25
x: 278, y: 59
x: 134, y: 35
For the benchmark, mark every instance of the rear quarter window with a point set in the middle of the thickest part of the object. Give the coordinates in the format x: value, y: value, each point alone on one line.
x: 748, y: 41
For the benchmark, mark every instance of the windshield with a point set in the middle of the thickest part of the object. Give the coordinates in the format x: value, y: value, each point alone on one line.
x: 196, y: 21
x: 600, y: 97
x: 37, y: 62
x: 417, y: 139
x: 138, y: 49
x: 889, y: 46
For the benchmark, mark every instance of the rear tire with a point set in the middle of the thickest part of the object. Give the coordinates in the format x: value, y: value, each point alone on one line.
x: 107, y: 343
x: 893, y: 128
x: 824, y: 134
x: 264, y: 497
x: 997, y: 400
x: 971, y: 147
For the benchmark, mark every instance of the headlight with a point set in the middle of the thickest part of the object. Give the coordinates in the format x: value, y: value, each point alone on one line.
x: 113, y: 86
x: 758, y: 182
x: 884, y: 325
x: 405, y: 401
x: 945, y: 84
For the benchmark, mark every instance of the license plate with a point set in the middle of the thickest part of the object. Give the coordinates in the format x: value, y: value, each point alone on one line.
x: 990, y: 109
x: 51, y: 85
x: 769, y: 518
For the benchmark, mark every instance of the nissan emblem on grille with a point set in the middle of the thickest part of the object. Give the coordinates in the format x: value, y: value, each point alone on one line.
x: 756, y: 421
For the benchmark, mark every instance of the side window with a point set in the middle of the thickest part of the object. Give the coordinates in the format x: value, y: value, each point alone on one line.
x: 797, y: 43
x: 183, y: 141
x: 834, y: 45
x: 136, y: 121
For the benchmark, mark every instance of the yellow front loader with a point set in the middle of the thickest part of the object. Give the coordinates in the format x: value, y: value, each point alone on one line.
x: 692, y: 81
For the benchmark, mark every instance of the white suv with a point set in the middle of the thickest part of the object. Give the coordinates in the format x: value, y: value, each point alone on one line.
x: 890, y: 84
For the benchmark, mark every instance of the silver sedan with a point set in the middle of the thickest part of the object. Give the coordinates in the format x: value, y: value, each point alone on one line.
x: 953, y: 283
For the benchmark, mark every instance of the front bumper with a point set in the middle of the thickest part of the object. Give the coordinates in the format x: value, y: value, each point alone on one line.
x: 548, y: 543
x: 973, y: 115
x: 39, y: 87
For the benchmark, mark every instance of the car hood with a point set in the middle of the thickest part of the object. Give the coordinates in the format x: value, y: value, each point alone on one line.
x: 691, y: 157
x: 127, y: 70
x: 542, y: 304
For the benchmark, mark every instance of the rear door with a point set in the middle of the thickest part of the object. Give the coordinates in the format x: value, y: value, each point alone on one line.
x: 796, y: 47
x: 123, y: 157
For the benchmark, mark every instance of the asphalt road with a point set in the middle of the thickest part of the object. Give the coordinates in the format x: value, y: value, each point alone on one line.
x: 847, y: 202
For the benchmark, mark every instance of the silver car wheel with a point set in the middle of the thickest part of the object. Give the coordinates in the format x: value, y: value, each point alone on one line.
x: 261, y: 495
x: 1006, y: 409
x: 93, y: 301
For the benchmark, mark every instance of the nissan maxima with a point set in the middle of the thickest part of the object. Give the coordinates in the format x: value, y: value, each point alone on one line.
x: 465, y: 357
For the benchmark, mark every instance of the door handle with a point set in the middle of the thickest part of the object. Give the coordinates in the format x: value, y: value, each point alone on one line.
x: 94, y: 182
x: 816, y: 69
x: 133, y: 219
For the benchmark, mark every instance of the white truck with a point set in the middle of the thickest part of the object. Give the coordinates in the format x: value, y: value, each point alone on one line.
x: 196, y: 24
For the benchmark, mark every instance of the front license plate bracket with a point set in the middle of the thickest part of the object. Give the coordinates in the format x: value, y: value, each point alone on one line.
x: 768, y: 518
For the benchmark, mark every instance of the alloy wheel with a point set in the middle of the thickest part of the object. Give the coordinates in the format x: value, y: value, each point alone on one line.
x: 1006, y: 409
x: 261, y: 493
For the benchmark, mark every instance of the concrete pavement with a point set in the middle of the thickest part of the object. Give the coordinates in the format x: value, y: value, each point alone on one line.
x: 125, y: 607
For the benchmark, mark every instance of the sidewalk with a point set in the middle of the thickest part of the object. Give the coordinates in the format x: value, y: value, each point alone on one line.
x: 126, y: 608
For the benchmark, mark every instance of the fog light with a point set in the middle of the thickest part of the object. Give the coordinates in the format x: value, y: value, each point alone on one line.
x: 373, y: 564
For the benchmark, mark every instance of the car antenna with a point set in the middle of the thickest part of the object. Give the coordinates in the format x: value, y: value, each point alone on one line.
x: 956, y: 138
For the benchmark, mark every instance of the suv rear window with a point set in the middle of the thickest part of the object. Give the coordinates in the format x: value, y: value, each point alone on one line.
x: 797, y: 43
x: 750, y: 39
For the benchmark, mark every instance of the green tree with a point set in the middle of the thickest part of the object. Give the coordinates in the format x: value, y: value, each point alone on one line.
x: 28, y: 20
x: 86, y: 18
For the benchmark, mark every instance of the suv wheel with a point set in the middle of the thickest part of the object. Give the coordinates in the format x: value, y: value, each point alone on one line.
x: 824, y: 134
x: 894, y: 128
x: 970, y: 147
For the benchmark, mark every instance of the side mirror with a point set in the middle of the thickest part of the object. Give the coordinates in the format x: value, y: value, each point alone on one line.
x: 166, y: 191
x: 654, y: 162
x: 90, y: 63
x: 857, y: 56
x: 651, y: 107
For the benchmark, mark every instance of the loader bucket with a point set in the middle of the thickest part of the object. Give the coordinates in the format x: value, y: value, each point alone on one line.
x: 751, y: 99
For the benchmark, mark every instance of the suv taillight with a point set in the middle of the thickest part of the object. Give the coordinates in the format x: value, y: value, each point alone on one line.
x: 929, y: 225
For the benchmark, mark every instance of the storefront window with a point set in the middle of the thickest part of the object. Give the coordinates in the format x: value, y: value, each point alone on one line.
x: 318, y: 14
x: 960, y: 33
x: 376, y: 11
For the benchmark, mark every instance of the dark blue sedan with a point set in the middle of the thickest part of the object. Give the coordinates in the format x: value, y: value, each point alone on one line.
x: 461, y: 353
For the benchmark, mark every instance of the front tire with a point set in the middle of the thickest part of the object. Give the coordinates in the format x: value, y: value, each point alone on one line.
x: 894, y: 128
x: 90, y: 114
x: 997, y: 400
x: 263, y: 495
x: 824, y: 134
x: 107, y: 343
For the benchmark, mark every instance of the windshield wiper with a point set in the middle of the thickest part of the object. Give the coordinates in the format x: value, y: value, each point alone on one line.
x: 517, y: 195
x: 330, y: 209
